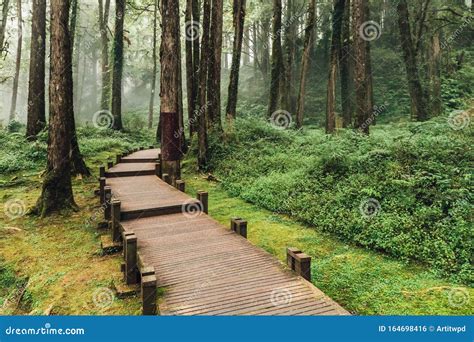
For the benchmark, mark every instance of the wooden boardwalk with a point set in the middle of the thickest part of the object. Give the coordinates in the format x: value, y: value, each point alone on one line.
x: 203, y: 267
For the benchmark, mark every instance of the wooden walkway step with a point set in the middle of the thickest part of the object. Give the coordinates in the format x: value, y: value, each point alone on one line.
x: 142, y: 156
x: 203, y: 267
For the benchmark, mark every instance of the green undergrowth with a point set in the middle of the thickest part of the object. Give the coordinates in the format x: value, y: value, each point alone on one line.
x: 363, y: 282
x: 405, y: 190
x: 54, y: 265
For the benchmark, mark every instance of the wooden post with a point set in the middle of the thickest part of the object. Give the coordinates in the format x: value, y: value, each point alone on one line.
x: 241, y: 228
x: 180, y: 185
x: 203, y: 197
x: 290, y: 260
x: 102, y: 171
x: 110, y: 164
x: 233, y: 225
x: 116, y: 220
x: 303, y: 266
x: 107, y: 201
x: 166, y: 178
x: 158, y: 170
x: 141, y: 148
x: 151, y: 147
x: 118, y: 158
x: 148, y: 292
x: 102, y: 181
x: 131, y: 259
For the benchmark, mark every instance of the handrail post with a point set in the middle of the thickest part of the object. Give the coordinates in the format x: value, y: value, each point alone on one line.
x: 107, y: 201
x: 102, y: 182
x: 110, y: 164
x: 203, y: 197
x: 131, y: 259
x: 233, y: 224
x: 148, y: 291
x: 118, y: 158
x: 241, y: 228
x: 180, y: 185
x: 166, y: 178
x: 299, y: 262
x: 116, y: 209
x: 102, y: 171
x: 158, y: 170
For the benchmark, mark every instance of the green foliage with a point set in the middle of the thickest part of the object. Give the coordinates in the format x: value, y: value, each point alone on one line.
x: 418, y: 173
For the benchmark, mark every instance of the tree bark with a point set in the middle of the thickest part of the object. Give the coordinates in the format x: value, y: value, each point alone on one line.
x: 337, y: 16
x: 290, y: 47
x: 155, y: 68
x: 118, y: 65
x: 418, y: 103
x: 190, y: 36
x: 435, y: 74
x: 57, y: 188
x: 214, y: 72
x: 345, y: 68
x: 239, y: 22
x: 169, y: 108
x: 36, y: 84
x: 3, y: 24
x: 16, y: 78
x: 193, y: 120
x: 363, y: 110
x: 277, y: 59
x: 104, y: 41
x: 308, y: 40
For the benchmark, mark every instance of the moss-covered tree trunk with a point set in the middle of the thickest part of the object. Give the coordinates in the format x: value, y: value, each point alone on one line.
x: 308, y: 42
x: 193, y: 122
x: 239, y: 22
x: 418, y: 103
x: 36, y: 87
x: 57, y: 188
x: 277, y: 59
x: 214, y: 72
x: 345, y: 68
x: 169, y: 110
x: 104, y: 42
x: 16, y: 77
x: 333, y: 64
x: 151, y: 104
x: 190, y: 36
x: 118, y: 65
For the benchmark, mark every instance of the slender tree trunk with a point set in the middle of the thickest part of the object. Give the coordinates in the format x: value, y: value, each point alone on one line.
x: 16, y: 78
x: 362, y: 102
x: 277, y: 59
x: 214, y: 72
x: 345, y: 68
x: 239, y: 21
x: 337, y: 16
x: 368, y: 65
x: 435, y: 74
x: 104, y: 41
x: 3, y: 24
x: 169, y: 108
x: 265, y: 34
x: 203, y: 104
x: 418, y: 106
x: 155, y: 67
x: 179, y: 86
x: 76, y: 48
x: 193, y: 119
x: 57, y: 188
x: 290, y: 47
x: 118, y: 65
x: 190, y: 37
x: 246, y: 45
x: 308, y: 40
x: 36, y: 88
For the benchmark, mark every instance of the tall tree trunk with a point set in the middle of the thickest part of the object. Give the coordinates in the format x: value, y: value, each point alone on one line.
x: 290, y: 47
x: 190, y: 37
x: 16, y: 78
x: 76, y: 50
x: 155, y: 67
x: 435, y: 74
x: 337, y: 16
x: 345, y: 68
x: 57, y: 188
x: 368, y: 72
x: 418, y: 106
x: 363, y: 110
x: 203, y: 104
x: 265, y: 34
x: 308, y: 40
x: 3, y: 24
x: 169, y: 108
x: 193, y: 119
x: 239, y: 21
x: 118, y: 65
x: 104, y: 42
x: 36, y: 88
x: 214, y: 72
x: 277, y: 59
x: 246, y: 45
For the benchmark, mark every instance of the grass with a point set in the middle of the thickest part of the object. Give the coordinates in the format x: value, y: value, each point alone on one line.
x: 363, y: 282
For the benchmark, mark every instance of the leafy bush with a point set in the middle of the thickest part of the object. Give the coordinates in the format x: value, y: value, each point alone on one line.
x: 419, y: 174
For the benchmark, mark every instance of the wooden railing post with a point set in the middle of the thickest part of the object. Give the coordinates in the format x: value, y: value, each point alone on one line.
x: 110, y: 164
x: 299, y: 262
x: 203, y: 197
x: 166, y: 178
x: 148, y: 291
x: 102, y: 171
x: 241, y: 228
x: 118, y: 158
x: 107, y: 202
x: 102, y: 182
x: 131, y: 248
x: 116, y: 220
x: 180, y: 185
x: 233, y: 224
